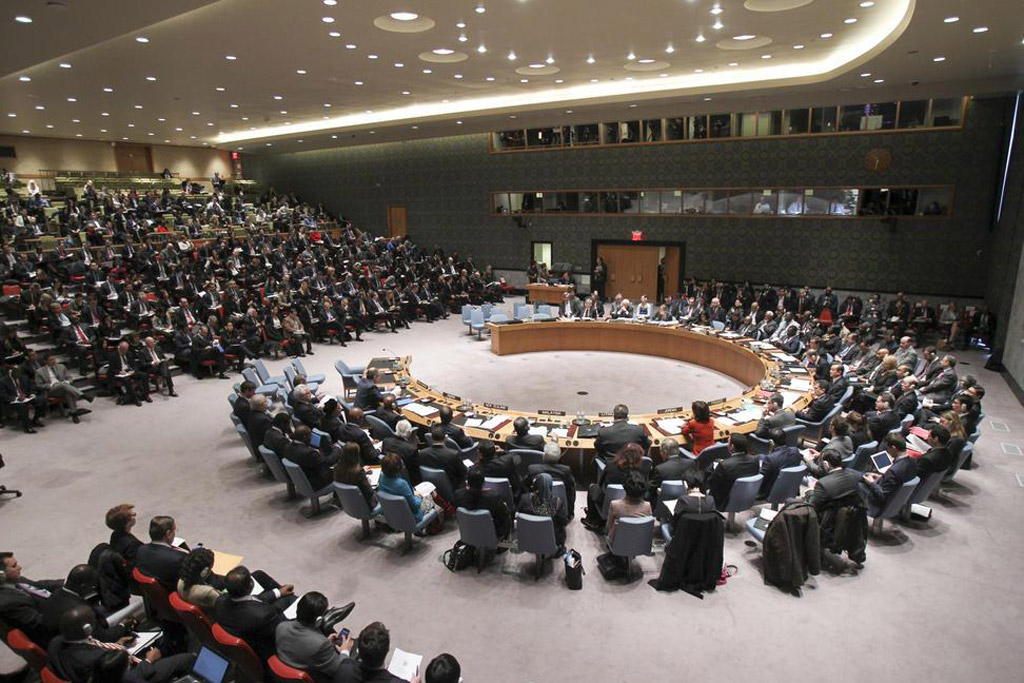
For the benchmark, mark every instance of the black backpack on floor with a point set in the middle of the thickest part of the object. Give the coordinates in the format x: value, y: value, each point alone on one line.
x: 459, y: 557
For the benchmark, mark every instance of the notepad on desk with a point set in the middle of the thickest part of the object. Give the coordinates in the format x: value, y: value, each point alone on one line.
x: 785, y: 357
x: 373, y: 474
x: 789, y: 397
x: 224, y: 562
x: 474, y: 422
x: 670, y: 425
x: 421, y: 410
x: 493, y: 423
x: 144, y: 640
x: 745, y: 415
x: 404, y: 664
x: 799, y: 384
x: 539, y: 431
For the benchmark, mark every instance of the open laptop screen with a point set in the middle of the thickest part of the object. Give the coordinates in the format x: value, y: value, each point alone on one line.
x: 209, y: 667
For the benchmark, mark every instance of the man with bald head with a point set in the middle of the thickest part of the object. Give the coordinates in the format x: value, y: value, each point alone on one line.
x: 351, y: 431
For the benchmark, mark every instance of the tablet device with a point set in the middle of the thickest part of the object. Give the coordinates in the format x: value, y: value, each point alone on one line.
x: 881, y: 461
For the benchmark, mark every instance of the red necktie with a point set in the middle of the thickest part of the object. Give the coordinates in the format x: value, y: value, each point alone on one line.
x: 81, y: 335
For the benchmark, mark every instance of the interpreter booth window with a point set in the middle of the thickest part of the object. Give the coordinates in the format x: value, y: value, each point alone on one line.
x: 590, y: 202
x: 499, y: 202
x: 721, y: 125
x: 510, y: 139
x: 561, y: 202
x: 874, y: 202
x: 542, y: 252
x: 698, y: 127
x: 629, y: 202
x: 629, y: 132
x: 672, y: 201
x: 652, y: 130
x: 823, y: 120
x: 693, y: 202
x: 675, y: 129
x: 912, y: 114
x: 609, y: 202
x: 831, y: 202
x: 765, y: 203
x: 791, y: 202
x: 769, y: 123
x: 610, y: 132
x: 946, y: 112
x: 741, y: 202
x: 649, y: 201
x: 533, y: 202
x: 586, y: 134
x: 797, y: 121
x: 934, y: 201
x: 515, y: 202
x: 718, y: 202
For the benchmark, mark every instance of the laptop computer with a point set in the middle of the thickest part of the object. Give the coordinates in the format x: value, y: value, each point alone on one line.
x: 209, y: 667
x: 881, y: 461
x: 314, y: 440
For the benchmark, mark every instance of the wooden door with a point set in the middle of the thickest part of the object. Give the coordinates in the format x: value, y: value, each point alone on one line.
x: 396, y: 221
x: 632, y: 270
x: 133, y: 158
x: 671, y: 270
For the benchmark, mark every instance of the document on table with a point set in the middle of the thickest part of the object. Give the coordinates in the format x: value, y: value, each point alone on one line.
x: 727, y: 421
x: 293, y: 610
x: 539, y: 431
x: 421, y: 410
x: 424, y: 488
x: 560, y: 433
x: 789, y: 397
x: 785, y: 357
x: 495, y: 421
x: 473, y: 422
x: 670, y: 425
x: 145, y: 639
x: 799, y: 384
x: 670, y: 505
x: 745, y: 415
x: 404, y: 664
x: 224, y: 562
x: 373, y: 474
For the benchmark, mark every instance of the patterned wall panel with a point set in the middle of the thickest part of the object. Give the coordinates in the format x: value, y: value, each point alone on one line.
x: 444, y: 185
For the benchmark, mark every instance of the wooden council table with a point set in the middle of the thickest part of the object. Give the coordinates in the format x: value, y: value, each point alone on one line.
x: 741, y: 359
x: 546, y: 294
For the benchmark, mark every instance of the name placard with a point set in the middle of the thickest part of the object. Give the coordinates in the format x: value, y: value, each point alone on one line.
x: 421, y: 385
x: 717, y: 401
x: 670, y: 410
x: 496, y: 406
x: 558, y: 413
x: 451, y: 396
x: 604, y: 415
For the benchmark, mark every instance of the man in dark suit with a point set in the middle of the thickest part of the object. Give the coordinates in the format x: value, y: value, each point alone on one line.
x: 780, y: 457
x: 938, y: 458
x: 79, y: 340
x: 774, y: 416
x: 302, y: 643
x: 122, y: 369
x: 837, y: 382
x: 76, y: 654
x: 942, y: 387
x: 504, y: 466
x: 368, y: 666
x: 836, y: 484
x: 160, y: 559
x: 475, y: 497
x: 570, y: 307
x: 673, y: 467
x: 931, y: 367
x: 819, y: 406
x: 315, y: 465
x: 522, y: 437
x: 878, y: 489
x: 616, y: 435
x: 80, y: 588
x: 258, y: 421
x: 153, y: 363
x: 22, y: 600
x: 304, y: 410
x: 352, y: 431
x: 439, y: 456
x: 739, y: 464
x: 453, y: 432
x: 907, y: 403
x: 246, y: 390
x: 387, y: 413
x: 368, y: 396
x: 558, y: 472
x: 883, y: 418
x: 253, y: 618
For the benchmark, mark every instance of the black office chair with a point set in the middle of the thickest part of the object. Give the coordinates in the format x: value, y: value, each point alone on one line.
x: 4, y: 491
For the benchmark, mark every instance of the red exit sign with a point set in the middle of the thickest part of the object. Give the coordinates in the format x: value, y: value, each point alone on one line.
x: 638, y: 236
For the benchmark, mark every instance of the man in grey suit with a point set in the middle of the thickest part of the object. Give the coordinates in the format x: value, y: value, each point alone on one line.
x: 941, y: 388
x: 53, y: 378
x: 774, y: 416
x: 303, y: 645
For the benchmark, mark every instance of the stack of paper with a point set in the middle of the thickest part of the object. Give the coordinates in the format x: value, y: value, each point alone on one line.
x: 559, y: 433
x: 404, y: 664
x: 373, y: 474
x: 492, y: 423
x: 473, y: 422
x: 670, y: 425
x: 746, y: 414
x: 789, y: 397
x: 799, y: 384
x: 421, y: 410
x: 425, y: 488
x: 725, y: 421
x: 784, y: 357
x: 539, y: 431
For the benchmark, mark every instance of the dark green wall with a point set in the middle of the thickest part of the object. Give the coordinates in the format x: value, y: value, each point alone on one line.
x: 444, y: 184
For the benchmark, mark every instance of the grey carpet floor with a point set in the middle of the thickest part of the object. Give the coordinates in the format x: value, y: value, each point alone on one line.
x: 937, y: 600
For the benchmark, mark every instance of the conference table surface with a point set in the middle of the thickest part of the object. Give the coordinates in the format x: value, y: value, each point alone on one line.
x: 761, y: 366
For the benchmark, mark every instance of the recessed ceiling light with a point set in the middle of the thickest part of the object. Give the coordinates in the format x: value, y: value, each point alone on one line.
x: 301, y: 72
x: 865, y: 74
x: 72, y: 99
x: 670, y: 49
x: 826, y: 36
x: 209, y: 123
x: 718, y: 25
x: 151, y: 134
x: 851, y: 20
x: 161, y: 119
x: 334, y: 137
x: 404, y: 16
x: 25, y: 132
x: 22, y: 19
x: 745, y: 36
x: 219, y: 88
x: 766, y: 56
x: 940, y: 58
x: 568, y: 111
x: 734, y: 63
x: 24, y: 79
x: 950, y: 20
x: 76, y: 120
x: 458, y: 123
x: 879, y: 80
x: 549, y: 60
x: 330, y: 3
x: 12, y: 115
x: 559, y: 80
x: 300, y: 141
x: 590, y: 59
x: 707, y: 99
x: 270, y: 144
x: 138, y: 106
x: 103, y: 130
x: 700, y: 38
x: 195, y: 113
x: 593, y: 80
x: 698, y: 71
x: 415, y: 127
x: 399, y: 65
x: 631, y: 56
x: 358, y: 82
x: 443, y: 51
x: 632, y: 106
x: 536, y: 66
x: 131, y: 125
x: 141, y: 39
x: 406, y: 92
x: 371, y: 56
x: 78, y: 135
x: 150, y: 78
x: 245, y: 118
x: 108, y: 90
x: 646, y: 61
x: 104, y: 113
x: 230, y: 58
x: 233, y: 105
x: 334, y: 34
x: 716, y: 10
x: 49, y: 125
x: 428, y: 71
x: 179, y: 129
x: 867, y: 3
x: 511, y: 56
x: 799, y: 46
x: 463, y: 38
x: 460, y: 24
x: 327, y: 104
x: 328, y: 20
x: 64, y: 65
x: 278, y: 97
x: 489, y: 78
x: 480, y: 9
x: 980, y: 29
x: 524, y: 80
x: 511, y: 116
x: 482, y: 49
x: 350, y: 46
x: 458, y: 75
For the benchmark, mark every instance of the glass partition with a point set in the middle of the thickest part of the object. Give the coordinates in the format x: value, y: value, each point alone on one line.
x: 823, y: 120
x: 693, y: 202
x: 499, y: 202
x: 796, y: 121
x: 791, y: 203
x: 947, y: 112
x: 721, y: 125
x: 650, y: 201
x: 629, y: 202
x: 717, y: 202
x: 671, y: 201
x: 741, y: 202
x: 934, y: 201
x: 652, y: 130
x: 769, y: 123
x: 586, y: 134
x: 912, y: 114
x: 675, y: 129
x: 609, y: 202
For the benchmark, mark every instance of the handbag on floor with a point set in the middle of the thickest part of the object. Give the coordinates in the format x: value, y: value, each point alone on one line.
x: 574, y: 570
x: 460, y: 556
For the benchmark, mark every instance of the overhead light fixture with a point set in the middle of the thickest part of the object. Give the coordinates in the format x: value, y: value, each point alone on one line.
x: 707, y: 99
x: 428, y: 71
x: 700, y: 38
x: 866, y: 74
x: 559, y: 80
x: 536, y: 66
x: 799, y: 46
x: 524, y: 80
x: 233, y: 105
x: 867, y: 3
x: 940, y: 58
x: 151, y: 78
x: 594, y: 80
x: 49, y: 125
x: 879, y: 80
x: 404, y: 16
x: 980, y: 29
x: 12, y: 115
x: 40, y: 107
x: 327, y: 20
x: 22, y: 19
x: 482, y: 49
x: 462, y: 38
x: 590, y: 59
x: 72, y: 99
x: 489, y: 78
x: 511, y: 56
x: 458, y: 123
x: 460, y: 24
x: 138, y: 106
x: 698, y: 71
x: 230, y: 58
x: 950, y: 20
x: 399, y: 65
x: 64, y: 65
x: 327, y: 104
x: 371, y: 56
x: 358, y: 82
x: 549, y: 60
x: 219, y: 88
x: 443, y: 51
x: 631, y: 56
x: 718, y: 25
x: 406, y: 92
x: 334, y: 137
x: 301, y: 72
x: 851, y: 20
x: 161, y: 119
x: 330, y: 3
x: 104, y: 113
x: 458, y: 75
x: 734, y: 63
x: 716, y: 10
x: 766, y: 56
x: 334, y: 34
x: 141, y: 39
x: 480, y: 9
x: 76, y: 120
x: 670, y: 49
x: 278, y: 97
x: 350, y: 46
x: 24, y: 79
x: 195, y: 113
x: 745, y: 36
x: 826, y: 36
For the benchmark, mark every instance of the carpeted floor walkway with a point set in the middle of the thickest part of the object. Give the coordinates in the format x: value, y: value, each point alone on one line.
x: 937, y: 600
